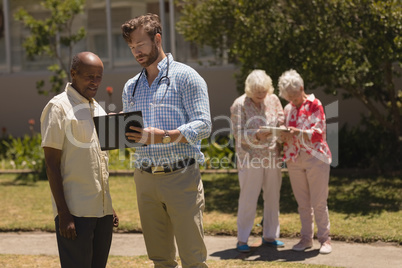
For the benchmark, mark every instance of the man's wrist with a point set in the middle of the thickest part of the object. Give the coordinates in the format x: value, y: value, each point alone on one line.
x: 166, y: 137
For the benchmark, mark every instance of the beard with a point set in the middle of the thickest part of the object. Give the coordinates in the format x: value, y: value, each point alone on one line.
x: 152, y: 56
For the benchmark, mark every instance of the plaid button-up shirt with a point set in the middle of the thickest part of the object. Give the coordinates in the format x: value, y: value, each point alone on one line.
x: 182, y: 105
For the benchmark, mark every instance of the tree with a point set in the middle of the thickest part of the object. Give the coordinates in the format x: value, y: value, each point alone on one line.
x: 353, y: 47
x: 49, y: 35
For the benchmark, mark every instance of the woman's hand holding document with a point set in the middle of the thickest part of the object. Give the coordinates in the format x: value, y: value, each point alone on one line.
x: 274, y: 130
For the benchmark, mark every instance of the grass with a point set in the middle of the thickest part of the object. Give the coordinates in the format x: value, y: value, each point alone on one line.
x: 28, y: 204
x: 41, y: 261
x: 362, y: 209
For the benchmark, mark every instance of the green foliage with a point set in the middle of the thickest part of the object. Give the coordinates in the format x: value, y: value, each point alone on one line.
x: 50, y: 34
x: 25, y: 153
x: 121, y: 159
x: 369, y: 146
x: 353, y: 45
x: 57, y: 80
x: 219, y: 153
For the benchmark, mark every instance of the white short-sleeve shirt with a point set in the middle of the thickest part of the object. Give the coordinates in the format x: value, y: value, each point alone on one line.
x: 67, y: 125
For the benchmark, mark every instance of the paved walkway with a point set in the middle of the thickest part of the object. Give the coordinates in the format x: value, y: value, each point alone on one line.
x: 344, y: 254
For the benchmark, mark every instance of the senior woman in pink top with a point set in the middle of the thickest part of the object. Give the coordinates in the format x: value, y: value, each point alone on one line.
x: 258, y: 159
x: 308, y: 159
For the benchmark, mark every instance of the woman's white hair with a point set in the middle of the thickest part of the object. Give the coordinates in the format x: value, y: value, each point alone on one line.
x: 289, y: 83
x: 258, y: 80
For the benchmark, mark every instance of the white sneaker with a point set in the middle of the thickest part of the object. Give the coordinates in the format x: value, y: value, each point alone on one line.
x: 303, y: 244
x: 326, y: 247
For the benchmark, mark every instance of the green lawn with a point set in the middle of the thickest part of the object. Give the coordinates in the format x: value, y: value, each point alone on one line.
x: 45, y: 261
x: 361, y: 209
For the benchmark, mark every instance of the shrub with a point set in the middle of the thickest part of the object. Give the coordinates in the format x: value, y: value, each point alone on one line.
x: 219, y: 152
x: 369, y: 146
x: 25, y: 153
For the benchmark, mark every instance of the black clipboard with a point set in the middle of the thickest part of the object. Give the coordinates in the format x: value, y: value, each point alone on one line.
x: 111, y: 130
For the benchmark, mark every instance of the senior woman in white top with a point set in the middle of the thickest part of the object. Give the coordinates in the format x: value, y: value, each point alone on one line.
x: 308, y: 159
x: 258, y: 160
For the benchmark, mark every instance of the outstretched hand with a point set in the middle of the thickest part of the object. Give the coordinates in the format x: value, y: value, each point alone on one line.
x: 288, y: 135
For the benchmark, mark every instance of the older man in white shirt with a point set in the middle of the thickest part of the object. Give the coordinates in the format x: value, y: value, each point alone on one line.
x: 77, y: 169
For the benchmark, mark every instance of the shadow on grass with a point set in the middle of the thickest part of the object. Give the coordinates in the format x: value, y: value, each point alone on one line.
x: 222, y: 194
x: 24, y: 179
x: 365, y: 196
x: 20, y: 182
x: 349, y: 195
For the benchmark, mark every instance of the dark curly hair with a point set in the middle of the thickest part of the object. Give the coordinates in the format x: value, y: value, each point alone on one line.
x: 150, y: 22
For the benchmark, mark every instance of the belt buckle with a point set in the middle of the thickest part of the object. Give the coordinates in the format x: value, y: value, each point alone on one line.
x: 157, y: 170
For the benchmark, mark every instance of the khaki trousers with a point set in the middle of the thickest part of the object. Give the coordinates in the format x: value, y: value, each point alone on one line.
x: 171, y: 207
x: 309, y: 178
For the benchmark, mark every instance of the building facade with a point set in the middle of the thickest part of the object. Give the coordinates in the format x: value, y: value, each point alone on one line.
x: 20, y: 101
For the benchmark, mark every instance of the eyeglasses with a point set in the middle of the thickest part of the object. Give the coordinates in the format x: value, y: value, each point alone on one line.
x: 160, y: 79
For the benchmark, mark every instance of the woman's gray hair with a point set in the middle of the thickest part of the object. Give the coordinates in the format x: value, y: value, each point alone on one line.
x: 289, y: 82
x: 258, y: 79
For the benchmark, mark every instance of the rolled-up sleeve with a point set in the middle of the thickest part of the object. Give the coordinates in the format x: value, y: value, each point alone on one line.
x: 318, y: 126
x: 196, y: 103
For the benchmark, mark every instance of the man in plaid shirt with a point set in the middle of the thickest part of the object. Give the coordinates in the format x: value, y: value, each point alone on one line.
x: 173, y: 99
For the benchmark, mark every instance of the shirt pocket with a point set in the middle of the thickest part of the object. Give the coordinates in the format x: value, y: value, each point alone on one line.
x: 82, y: 130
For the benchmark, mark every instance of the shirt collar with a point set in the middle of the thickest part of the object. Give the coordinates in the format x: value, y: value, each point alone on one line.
x: 310, y: 98
x: 162, y: 65
x: 76, y: 95
x: 249, y: 101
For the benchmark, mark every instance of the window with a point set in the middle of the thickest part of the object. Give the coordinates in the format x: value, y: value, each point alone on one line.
x: 94, y: 20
